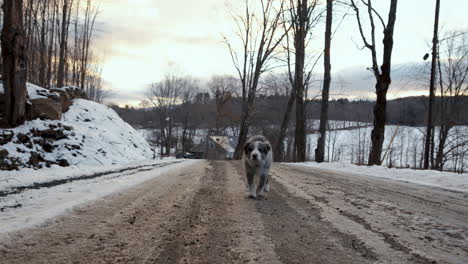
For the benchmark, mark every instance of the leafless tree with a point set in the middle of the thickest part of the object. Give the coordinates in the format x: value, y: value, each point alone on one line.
x: 301, y: 18
x: 223, y: 89
x: 320, y: 151
x: 52, y: 60
x: 453, y: 85
x: 14, y: 62
x: 66, y: 10
x: 189, y: 90
x: 165, y: 96
x: 260, y: 34
x: 430, y: 125
x: 382, y: 74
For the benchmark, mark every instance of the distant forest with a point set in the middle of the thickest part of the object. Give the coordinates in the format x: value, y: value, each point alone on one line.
x: 203, y: 113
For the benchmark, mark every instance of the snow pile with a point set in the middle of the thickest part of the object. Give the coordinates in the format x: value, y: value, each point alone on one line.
x: 445, y: 180
x: 36, y: 205
x: 89, y: 134
x: 36, y: 92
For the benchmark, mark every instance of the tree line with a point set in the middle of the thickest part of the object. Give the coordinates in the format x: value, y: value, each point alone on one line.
x: 48, y: 43
x: 275, y: 33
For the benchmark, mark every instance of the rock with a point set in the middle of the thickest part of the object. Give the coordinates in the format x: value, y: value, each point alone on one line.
x: 3, y: 153
x: 34, y: 159
x: 46, y: 108
x: 47, y: 147
x: 63, y: 162
x: 23, y: 138
x: 5, y: 136
x: 50, y: 133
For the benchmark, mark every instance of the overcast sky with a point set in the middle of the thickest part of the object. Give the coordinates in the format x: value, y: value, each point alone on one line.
x: 140, y: 40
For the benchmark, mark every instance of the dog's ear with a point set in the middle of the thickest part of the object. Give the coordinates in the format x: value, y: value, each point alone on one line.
x: 246, y: 147
x: 264, y: 148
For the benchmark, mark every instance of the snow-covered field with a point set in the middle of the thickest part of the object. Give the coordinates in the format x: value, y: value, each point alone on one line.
x: 445, y: 180
x: 406, y: 150
x: 22, y: 208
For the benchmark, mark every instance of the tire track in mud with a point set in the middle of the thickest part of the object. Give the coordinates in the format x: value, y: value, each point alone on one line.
x: 299, y: 233
x: 204, y: 234
x: 402, y: 223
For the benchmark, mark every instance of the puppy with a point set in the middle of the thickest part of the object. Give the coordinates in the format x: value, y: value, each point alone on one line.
x: 258, y: 159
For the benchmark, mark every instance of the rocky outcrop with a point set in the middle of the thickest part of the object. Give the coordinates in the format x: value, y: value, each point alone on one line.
x: 47, y: 104
x: 50, y: 104
x: 35, y: 144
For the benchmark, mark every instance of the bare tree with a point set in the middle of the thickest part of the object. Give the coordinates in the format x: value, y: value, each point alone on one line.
x: 302, y: 19
x: 66, y: 10
x: 14, y: 62
x: 89, y: 21
x: 320, y: 151
x: 430, y: 125
x: 453, y: 85
x: 382, y: 75
x: 300, y: 27
x: 223, y: 89
x: 260, y: 35
x: 164, y: 96
x: 189, y: 90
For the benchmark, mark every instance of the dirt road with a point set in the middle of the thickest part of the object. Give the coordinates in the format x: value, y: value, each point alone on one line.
x: 201, y: 214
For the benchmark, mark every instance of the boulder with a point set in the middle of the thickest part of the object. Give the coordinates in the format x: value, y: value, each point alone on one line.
x: 5, y: 136
x: 46, y: 108
x: 3, y: 153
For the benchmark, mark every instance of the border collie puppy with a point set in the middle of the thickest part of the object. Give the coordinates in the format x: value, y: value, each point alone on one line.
x: 258, y: 159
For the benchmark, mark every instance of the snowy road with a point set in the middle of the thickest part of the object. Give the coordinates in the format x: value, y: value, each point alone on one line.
x: 200, y: 214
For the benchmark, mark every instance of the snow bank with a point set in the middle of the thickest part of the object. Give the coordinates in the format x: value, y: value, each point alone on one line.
x: 89, y: 134
x: 36, y: 92
x: 10, y: 180
x: 445, y: 180
x: 35, y: 206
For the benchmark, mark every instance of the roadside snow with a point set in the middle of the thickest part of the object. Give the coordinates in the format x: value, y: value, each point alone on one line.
x: 27, y: 176
x: 35, y: 206
x: 445, y: 180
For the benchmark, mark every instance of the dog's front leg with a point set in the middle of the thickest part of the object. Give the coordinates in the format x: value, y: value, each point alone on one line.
x: 267, y: 184
x: 262, y: 183
x: 252, y: 187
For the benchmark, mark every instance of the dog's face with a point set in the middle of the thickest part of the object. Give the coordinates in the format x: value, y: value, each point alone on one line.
x: 256, y: 151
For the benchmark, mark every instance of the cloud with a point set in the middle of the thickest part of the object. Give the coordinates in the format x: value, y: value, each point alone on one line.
x: 358, y: 82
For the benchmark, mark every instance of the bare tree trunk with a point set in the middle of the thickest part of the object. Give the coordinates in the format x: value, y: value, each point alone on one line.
x: 320, y: 151
x: 430, y: 125
x: 245, y: 124
x: 300, y: 36
x: 63, y: 44
x: 279, y: 154
x: 51, y: 47
x: 378, y: 131
x: 43, y: 47
x: 381, y: 75
x: 443, y: 135
x: 14, y: 62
